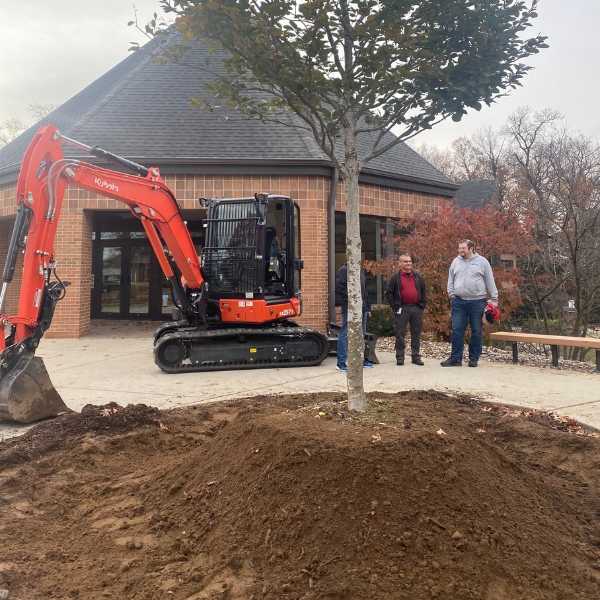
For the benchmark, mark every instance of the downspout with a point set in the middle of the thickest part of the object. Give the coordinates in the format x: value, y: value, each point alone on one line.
x: 333, y: 188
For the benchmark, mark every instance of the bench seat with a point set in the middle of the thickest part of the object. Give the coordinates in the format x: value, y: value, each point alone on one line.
x: 554, y: 341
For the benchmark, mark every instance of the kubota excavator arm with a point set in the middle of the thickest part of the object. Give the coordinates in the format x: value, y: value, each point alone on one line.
x: 26, y: 393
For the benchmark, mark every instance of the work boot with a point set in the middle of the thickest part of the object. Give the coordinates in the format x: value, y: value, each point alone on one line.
x: 451, y: 362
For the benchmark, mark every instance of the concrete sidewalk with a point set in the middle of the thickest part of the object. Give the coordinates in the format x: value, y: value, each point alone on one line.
x: 115, y: 363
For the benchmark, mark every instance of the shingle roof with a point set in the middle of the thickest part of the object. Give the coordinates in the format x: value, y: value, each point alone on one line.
x: 476, y: 193
x: 140, y: 110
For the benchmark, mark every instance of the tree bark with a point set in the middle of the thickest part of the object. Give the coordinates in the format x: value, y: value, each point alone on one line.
x: 350, y: 171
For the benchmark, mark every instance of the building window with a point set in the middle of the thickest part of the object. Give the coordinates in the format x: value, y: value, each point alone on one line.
x: 373, y: 238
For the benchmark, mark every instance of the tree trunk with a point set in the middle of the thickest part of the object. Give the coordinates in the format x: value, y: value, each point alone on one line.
x: 356, y: 344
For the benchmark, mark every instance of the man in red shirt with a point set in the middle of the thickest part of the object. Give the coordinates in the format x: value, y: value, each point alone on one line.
x: 407, y: 297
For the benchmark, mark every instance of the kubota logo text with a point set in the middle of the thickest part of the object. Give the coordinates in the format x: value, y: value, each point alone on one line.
x: 104, y: 184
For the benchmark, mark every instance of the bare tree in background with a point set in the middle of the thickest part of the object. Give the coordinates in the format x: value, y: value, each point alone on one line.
x: 14, y: 127
x: 483, y: 156
x: 441, y: 158
x: 557, y: 176
x: 40, y: 111
x: 11, y: 129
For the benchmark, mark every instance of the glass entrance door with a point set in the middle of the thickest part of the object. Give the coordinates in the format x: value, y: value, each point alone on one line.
x: 128, y: 282
x: 138, y: 281
x: 110, y: 282
x: 122, y: 280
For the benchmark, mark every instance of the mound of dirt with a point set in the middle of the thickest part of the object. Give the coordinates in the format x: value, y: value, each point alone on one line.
x: 425, y: 496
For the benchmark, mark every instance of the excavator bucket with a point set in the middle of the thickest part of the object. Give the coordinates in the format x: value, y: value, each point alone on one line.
x: 27, y: 394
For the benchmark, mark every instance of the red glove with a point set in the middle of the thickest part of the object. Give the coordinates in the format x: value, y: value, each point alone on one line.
x: 492, y: 314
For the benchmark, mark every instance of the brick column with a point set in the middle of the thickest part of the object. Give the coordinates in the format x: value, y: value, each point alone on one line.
x: 73, y: 251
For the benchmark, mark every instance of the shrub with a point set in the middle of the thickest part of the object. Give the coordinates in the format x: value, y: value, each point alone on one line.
x: 381, y: 322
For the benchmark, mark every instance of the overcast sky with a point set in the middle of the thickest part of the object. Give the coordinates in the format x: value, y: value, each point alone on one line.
x: 52, y: 49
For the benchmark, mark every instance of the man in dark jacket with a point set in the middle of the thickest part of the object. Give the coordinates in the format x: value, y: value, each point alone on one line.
x: 341, y: 286
x: 407, y: 297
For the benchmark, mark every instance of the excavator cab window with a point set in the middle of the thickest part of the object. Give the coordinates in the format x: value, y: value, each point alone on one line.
x: 249, y: 249
x: 275, y: 255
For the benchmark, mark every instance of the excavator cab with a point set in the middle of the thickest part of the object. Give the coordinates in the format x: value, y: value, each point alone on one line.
x: 252, y: 254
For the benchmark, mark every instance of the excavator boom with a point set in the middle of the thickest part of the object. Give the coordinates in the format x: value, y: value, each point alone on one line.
x: 26, y: 392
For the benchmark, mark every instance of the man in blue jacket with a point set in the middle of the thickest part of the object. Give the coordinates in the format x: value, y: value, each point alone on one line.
x: 341, y: 286
x: 470, y: 279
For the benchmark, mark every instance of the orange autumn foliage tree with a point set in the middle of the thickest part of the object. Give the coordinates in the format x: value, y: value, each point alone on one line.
x: 432, y: 241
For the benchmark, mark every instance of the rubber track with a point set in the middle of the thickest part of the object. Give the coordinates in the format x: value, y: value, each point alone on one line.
x: 251, y: 334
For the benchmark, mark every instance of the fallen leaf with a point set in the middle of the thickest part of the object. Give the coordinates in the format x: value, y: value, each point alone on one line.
x: 441, y: 432
x: 376, y: 437
x: 481, y: 430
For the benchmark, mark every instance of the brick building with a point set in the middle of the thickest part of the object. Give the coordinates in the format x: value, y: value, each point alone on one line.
x: 141, y: 110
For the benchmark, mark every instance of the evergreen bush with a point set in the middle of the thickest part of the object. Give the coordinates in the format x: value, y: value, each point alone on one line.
x: 381, y: 322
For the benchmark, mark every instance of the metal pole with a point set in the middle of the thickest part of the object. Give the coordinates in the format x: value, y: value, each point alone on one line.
x: 333, y: 187
x: 3, y: 296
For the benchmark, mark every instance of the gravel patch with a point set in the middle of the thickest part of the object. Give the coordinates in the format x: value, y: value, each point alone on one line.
x: 441, y: 351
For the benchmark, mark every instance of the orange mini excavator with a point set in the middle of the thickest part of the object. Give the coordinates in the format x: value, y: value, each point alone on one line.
x: 235, y: 303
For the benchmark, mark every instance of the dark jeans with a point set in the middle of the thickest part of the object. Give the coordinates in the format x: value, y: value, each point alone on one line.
x: 342, y: 343
x: 463, y: 311
x: 413, y: 316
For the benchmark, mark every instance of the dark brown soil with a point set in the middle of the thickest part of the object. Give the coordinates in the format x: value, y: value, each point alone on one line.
x: 425, y: 496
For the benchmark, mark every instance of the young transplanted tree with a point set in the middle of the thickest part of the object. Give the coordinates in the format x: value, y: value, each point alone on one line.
x: 352, y: 70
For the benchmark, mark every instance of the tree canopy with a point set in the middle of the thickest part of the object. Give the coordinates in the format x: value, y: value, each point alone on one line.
x: 389, y: 62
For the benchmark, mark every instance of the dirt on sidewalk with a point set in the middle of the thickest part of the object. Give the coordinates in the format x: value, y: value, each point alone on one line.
x: 427, y: 495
